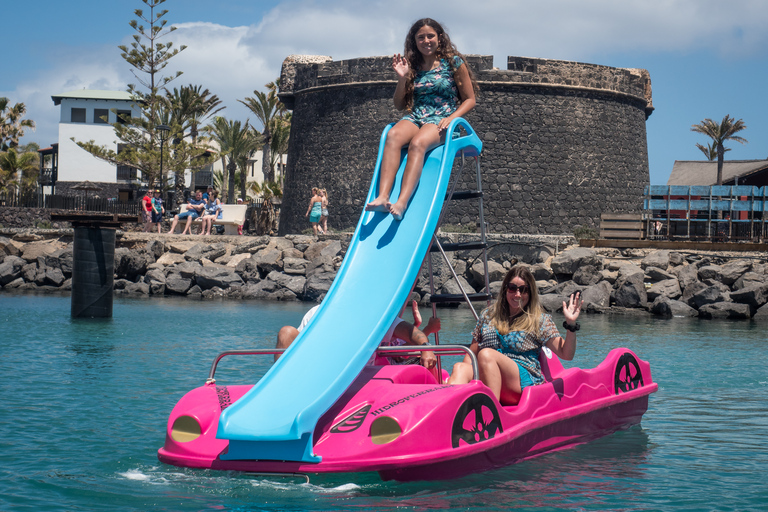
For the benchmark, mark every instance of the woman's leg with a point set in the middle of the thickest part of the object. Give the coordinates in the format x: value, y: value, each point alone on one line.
x: 501, y: 374
x: 400, y: 135
x: 427, y: 138
x: 314, y: 227
x: 461, y: 374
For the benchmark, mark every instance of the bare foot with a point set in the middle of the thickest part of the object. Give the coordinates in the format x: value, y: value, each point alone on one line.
x: 416, y: 314
x: 397, y: 210
x: 380, y: 204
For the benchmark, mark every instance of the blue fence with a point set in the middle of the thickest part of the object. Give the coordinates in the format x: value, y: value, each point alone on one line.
x: 724, y: 213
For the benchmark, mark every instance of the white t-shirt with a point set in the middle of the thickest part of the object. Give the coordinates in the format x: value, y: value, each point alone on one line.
x: 307, y: 317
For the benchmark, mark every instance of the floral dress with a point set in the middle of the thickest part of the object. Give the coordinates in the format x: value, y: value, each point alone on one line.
x: 435, y: 95
x: 520, y: 346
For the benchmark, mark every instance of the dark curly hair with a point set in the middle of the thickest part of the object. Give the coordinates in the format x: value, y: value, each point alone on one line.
x: 445, y: 50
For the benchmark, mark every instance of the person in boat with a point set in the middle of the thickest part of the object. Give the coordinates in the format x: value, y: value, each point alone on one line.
x: 510, y: 334
x: 400, y: 333
x: 435, y: 86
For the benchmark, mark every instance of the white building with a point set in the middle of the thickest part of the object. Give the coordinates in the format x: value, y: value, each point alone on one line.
x: 88, y: 115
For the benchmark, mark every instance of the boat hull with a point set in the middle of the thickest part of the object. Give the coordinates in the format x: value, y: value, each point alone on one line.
x: 400, y: 422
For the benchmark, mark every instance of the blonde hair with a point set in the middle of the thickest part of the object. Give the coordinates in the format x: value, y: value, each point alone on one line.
x: 324, y: 193
x: 530, y: 320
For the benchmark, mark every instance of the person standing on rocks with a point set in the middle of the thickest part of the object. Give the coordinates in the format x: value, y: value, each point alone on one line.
x: 324, y: 211
x: 158, y: 210
x: 315, y: 209
x: 146, y: 211
x: 436, y: 86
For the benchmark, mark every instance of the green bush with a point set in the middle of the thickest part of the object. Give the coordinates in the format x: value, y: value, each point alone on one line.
x: 585, y: 232
x: 44, y: 224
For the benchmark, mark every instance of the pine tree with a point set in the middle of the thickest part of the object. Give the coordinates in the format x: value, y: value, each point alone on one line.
x: 149, y: 56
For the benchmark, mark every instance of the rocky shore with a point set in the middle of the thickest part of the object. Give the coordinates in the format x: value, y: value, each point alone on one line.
x: 299, y: 267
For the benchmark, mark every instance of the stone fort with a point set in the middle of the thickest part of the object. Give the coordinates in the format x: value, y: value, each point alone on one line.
x: 563, y: 141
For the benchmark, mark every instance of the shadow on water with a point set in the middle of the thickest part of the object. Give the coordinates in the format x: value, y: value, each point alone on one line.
x: 92, y: 341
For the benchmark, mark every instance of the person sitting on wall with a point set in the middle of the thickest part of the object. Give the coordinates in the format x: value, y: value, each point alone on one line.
x: 193, y: 210
x: 400, y: 333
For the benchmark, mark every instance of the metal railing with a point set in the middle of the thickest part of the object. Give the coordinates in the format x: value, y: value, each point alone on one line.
x: 59, y: 202
x: 716, y: 213
x: 448, y: 350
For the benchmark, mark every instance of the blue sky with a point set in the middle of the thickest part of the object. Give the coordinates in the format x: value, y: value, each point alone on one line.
x: 706, y: 58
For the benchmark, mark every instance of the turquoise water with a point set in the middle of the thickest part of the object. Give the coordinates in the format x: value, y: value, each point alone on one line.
x: 84, y: 405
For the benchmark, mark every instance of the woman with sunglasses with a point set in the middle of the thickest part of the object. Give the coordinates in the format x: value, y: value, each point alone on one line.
x: 510, y: 334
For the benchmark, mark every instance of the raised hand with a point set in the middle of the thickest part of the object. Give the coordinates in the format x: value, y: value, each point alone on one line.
x: 572, y: 308
x: 400, y: 65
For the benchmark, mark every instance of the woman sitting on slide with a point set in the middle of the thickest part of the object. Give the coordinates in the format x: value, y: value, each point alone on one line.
x: 510, y: 334
x: 436, y: 86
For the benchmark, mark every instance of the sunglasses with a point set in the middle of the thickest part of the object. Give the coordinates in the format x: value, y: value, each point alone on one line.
x: 522, y: 289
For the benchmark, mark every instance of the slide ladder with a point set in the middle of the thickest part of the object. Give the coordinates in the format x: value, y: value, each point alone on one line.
x: 276, y: 418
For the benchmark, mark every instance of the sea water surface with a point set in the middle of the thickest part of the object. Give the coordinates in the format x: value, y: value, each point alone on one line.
x: 85, y: 402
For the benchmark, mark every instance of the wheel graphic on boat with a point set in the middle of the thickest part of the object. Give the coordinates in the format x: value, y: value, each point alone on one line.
x: 628, y: 375
x: 477, y: 420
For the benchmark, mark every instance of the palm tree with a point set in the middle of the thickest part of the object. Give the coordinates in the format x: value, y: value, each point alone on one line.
x: 12, y: 125
x: 710, y: 151
x: 19, y: 169
x: 265, y: 106
x: 189, y: 106
x: 281, y: 132
x: 233, y: 140
x: 250, y: 146
x: 719, y: 133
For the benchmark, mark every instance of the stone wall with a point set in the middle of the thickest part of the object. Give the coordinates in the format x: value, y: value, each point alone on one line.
x: 300, y: 267
x: 17, y: 217
x: 563, y: 141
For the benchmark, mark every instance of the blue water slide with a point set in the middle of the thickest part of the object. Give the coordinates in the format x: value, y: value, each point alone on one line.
x: 276, y: 418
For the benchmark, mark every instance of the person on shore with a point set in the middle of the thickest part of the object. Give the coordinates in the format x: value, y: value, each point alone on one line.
x: 324, y: 212
x: 192, y: 210
x: 400, y: 333
x: 212, y: 212
x: 315, y: 209
x: 158, y: 210
x: 511, y: 333
x: 436, y: 86
x: 146, y: 211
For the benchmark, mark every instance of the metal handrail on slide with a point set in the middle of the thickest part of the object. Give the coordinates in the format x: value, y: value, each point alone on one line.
x: 404, y: 350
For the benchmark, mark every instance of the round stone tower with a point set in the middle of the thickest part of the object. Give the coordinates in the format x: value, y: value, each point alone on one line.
x: 563, y: 141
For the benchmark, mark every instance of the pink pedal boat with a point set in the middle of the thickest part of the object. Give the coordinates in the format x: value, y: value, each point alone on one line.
x: 402, y: 423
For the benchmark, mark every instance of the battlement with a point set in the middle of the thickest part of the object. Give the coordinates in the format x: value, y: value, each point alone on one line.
x: 309, y: 72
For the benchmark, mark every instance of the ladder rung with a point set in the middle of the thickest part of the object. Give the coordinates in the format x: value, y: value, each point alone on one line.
x: 459, y: 246
x: 465, y: 194
x: 444, y: 298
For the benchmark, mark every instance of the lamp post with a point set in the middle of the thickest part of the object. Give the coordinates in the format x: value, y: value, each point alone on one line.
x: 163, y: 130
